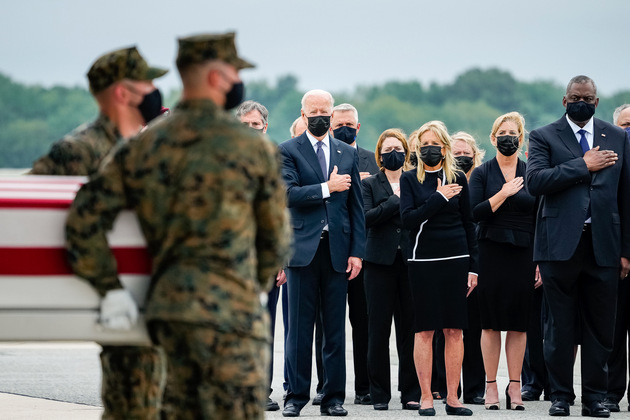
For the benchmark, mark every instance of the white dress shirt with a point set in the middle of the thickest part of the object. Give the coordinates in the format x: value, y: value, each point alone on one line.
x: 326, y: 148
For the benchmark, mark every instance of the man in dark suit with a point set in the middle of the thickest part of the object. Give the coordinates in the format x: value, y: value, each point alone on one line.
x: 324, y: 198
x: 580, y: 168
x: 345, y: 126
x: 618, y: 362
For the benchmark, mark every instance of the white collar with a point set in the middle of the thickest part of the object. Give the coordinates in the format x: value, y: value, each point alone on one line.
x: 314, y: 141
x: 589, y: 127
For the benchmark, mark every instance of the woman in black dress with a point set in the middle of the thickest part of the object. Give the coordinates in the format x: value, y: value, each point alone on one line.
x: 506, y: 215
x: 385, y: 276
x: 435, y: 207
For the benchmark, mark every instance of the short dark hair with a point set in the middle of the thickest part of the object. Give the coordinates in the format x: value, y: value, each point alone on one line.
x: 580, y: 80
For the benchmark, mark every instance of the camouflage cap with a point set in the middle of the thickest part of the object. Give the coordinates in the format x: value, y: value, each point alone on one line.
x: 126, y: 63
x: 200, y: 48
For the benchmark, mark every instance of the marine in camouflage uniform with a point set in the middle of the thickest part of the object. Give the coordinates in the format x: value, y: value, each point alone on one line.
x: 133, y: 376
x: 210, y: 200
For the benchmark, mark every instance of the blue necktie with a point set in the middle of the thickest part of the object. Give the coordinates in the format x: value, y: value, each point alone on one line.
x: 322, y: 160
x: 583, y: 141
x: 585, y: 148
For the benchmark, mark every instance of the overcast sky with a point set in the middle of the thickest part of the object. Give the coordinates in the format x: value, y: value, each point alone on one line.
x: 333, y: 45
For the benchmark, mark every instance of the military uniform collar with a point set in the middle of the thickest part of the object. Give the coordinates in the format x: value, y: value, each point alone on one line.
x: 109, y: 128
x: 206, y: 105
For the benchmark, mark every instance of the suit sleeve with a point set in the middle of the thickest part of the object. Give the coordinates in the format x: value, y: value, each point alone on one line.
x: 376, y: 214
x: 411, y: 216
x: 297, y: 194
x: 355, y: 209
x: 273, y: 232
x: 623, y: 199
x: 543, y: 177
x: 91, y: 216
x: 481, y: 208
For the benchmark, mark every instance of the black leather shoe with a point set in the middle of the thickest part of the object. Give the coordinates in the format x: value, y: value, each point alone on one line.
x: 410, y: 405
x: 318, y: 399
x: 458, y: 411
x: 427, y: 412
x: 335, y: 410
x: 363, y: 399
x: 271, y: 405
x: 595, y: 409
x: 381, y: 406
x: 611, y: 405
x: 291, y: 410
x: 529, y: 396
x: 475, y: 401
x: 559, y: 408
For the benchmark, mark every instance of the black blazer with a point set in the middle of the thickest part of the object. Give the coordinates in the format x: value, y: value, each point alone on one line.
x: 309, y: 210
x: 557, y: 172
x: 382, y: 219
x: 367, y: 161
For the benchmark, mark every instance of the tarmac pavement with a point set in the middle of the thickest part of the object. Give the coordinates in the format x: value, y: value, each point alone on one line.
x: 51, y: 381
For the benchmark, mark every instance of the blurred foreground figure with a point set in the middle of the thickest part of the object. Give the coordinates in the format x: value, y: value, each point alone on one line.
x: 209, y: 198
x: 122, y: 84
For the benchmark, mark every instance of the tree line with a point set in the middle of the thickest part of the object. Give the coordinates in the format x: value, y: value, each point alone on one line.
x: 33, y: 117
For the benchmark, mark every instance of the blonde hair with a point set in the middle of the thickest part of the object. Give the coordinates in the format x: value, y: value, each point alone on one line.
x: 397, y: 134
x: 478, y: 153
x: 448, y: 162
x: 517, y: 119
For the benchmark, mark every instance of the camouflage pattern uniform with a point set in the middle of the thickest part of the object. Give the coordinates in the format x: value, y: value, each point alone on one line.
x: 210, y: 200
x: 133, y: 377
x: 80, y: 152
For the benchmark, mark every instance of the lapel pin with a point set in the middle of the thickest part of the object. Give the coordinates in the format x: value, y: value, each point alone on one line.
x: 339, y: 151
x: 603, y: 135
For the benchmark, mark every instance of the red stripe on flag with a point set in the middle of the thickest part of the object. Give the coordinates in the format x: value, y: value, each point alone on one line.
x: 25, y: 203
x: 53, y: 261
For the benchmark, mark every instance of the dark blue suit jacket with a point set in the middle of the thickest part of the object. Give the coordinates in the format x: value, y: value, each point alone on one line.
x: 557, y: 172
x: 309, y: 210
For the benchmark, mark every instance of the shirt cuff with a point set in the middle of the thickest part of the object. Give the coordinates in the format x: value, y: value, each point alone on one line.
x: 325, y: 191
x: 443, y: 195
x: 474, y: 274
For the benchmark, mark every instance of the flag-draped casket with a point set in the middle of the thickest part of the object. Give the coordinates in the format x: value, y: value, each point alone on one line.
x: 40, y: 298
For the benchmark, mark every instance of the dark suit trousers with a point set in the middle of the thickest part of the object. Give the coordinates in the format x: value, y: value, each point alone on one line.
x: 473, y: 371
x: 579, y: 287
x: 534, y: 373
x: 308, y: 285
x: 357, y: 313
x: 389, y: 295
x: 618, y: 362
x: 272, y: 304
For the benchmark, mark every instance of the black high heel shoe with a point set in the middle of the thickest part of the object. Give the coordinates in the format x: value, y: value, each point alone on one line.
x: 509, y: 405
x: 491, y: 405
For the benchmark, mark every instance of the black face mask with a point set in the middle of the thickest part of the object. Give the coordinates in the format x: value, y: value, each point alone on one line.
x: 413, y: 159
x: 393, y: 160
x: 151, y: 106
x: 465, y: 163
x: 580, y: 111
x: 507, y: 145
x: 319, y: 125
x: 235, y: 96
x: 431, y: 155
x: 346, y: 134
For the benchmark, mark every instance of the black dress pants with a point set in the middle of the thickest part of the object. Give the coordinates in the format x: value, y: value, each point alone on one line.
x: 317, y: 282
x: 579, y: 287
x: 389, y: 295
x: 618, y: 361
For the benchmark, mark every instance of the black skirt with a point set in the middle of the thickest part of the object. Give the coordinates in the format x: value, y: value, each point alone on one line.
x: 439, y: 291
x: 506, y: 286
